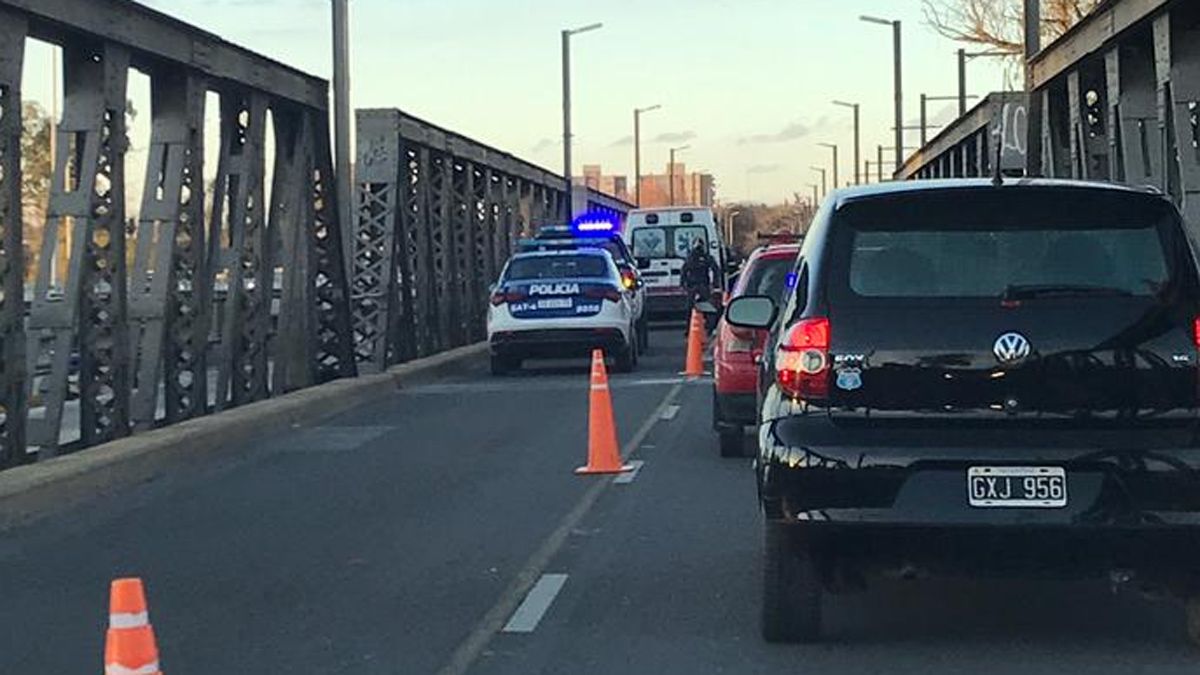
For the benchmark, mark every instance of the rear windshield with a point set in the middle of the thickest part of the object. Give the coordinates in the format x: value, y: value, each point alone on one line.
x: 986, y: 244
x: 767, y: 276
x: 557, y: 267
x: 666, y: 242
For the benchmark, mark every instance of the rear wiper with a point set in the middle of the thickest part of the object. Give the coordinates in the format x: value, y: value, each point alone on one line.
x: 1022, y: 291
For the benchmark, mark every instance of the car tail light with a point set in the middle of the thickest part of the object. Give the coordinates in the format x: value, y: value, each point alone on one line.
x: 1196, y: 332
x: 504, y: 297
x: 802, y: 360
x: 628, y: 278
x: 602, y: 293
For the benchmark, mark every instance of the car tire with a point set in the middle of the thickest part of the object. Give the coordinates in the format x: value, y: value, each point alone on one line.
x: 626, y: 358
x: 791, y: 602
x: 733, y: 442
x: 644, y: 335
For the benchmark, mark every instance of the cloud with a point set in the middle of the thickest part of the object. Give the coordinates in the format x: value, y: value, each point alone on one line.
x: 763, y: 168
x: 791, y: 132
x: 674, y: 137
x: 622, y: 142
x: 542, y: 145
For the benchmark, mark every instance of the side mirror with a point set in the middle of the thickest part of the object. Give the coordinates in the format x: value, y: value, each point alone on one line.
x: 751, y: 311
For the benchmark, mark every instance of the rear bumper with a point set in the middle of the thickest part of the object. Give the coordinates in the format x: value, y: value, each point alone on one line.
x: 806, y: 477
x: 557, y: 343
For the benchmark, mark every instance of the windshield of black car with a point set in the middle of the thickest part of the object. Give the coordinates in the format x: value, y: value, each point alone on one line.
x: 767, y: 276
x: 557, y: 267
x: 966, y: 244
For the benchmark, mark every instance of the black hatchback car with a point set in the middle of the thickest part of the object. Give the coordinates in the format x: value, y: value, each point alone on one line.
x: 981, y: 379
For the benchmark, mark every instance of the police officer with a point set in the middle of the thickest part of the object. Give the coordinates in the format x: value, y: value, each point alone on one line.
x: 699, y: 272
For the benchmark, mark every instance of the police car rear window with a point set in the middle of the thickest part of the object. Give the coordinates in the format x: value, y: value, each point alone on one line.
x: 557, y: 267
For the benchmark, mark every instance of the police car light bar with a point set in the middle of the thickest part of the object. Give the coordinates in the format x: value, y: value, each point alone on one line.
x: 593, y: 224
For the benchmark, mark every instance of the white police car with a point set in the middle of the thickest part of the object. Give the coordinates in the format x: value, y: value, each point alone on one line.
x: 554, y: 304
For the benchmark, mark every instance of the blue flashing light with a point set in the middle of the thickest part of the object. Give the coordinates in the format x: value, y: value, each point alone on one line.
x: 594, y: 224
x: 791, y: 280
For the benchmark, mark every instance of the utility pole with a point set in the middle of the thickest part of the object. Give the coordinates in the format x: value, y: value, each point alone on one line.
x: 566, y: 104
x: 962, y: 84
x: 341, y: 125
x: 858, y: 178
x: 879, y: 165
x: 637, y: 151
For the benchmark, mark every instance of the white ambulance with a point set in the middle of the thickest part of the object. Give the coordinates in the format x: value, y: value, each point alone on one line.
x: 659, y: 240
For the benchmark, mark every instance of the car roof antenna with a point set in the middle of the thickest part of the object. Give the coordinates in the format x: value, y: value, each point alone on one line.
x: 997, y: 175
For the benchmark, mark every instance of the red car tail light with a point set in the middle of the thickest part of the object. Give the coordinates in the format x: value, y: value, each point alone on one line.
x: 628, y: 278
x: 802, y: 360
x: 504, y: 297
x: 1196, y: 332
x: 602, y: 293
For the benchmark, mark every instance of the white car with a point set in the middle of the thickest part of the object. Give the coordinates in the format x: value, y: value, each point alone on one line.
x: 555, y: 304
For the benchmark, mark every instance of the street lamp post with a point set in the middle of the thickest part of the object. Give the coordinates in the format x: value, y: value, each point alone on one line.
x: 671, y: 171
x: 854, y: 106
x: 814, y: 189
x: 824, y: 184
x: 733, y: 213
x: 897, y: 76
x: 834, y: 147
x: 341, y: 122
x: 637, y: 151
x: 566, y: 95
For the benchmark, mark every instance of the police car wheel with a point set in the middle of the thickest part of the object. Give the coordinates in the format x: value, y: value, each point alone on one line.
x: 626, y: 359
x: 644, y: 335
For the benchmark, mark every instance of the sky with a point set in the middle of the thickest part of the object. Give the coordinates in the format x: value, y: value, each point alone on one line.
x: 748, y: 84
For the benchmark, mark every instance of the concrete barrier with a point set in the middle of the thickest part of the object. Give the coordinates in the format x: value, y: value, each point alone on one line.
x: 34, y: 491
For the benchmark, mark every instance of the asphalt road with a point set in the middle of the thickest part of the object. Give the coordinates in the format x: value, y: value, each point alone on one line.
x: 407, y: 536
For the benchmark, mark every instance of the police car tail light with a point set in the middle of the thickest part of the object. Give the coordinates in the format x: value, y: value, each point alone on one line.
x: 602, y: 293
x: 802, y: 360
x: 628, y: 278
x: 504, y: 297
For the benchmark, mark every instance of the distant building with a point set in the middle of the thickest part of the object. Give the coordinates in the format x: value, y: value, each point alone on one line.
x: 691, y: 189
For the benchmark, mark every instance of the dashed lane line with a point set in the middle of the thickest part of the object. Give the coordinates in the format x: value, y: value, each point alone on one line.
x: 495, y: 618
x: 631, y: 475
x: 536, y: 604
x: 670, y: 412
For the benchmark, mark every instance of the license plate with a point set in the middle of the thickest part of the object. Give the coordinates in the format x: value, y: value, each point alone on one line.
x: 1017, y: 487
x: 554, y: 303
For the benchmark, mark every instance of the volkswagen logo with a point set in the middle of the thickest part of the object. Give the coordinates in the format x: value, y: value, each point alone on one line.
x: 1011, y: 347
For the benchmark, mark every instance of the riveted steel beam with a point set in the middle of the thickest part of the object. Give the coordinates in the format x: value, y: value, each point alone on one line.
x: 13, y: 400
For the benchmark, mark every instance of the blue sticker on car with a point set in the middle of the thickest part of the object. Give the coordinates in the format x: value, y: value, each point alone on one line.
x: 849, y: 379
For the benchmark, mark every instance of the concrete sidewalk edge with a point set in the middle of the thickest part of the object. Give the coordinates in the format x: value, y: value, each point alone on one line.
x: 32, y: 491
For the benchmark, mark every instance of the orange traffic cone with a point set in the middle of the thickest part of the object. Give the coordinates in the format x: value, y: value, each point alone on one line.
x: 695, y: 347
x: 604, y: 455
x: 129, y: 646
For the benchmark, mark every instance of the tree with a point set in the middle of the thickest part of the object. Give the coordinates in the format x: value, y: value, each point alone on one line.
x: 999, y: 24
x: 36, y: 163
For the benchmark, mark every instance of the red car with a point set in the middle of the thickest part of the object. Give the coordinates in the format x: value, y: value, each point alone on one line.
x: 737, y: 350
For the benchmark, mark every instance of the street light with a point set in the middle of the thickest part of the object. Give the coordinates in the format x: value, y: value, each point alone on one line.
x: 566, y: 91
x: 814, y: 189
x: 824, y: 185
x: 637, y: 151
x: 924, y: 110
x: 897, y: 80
x: 963, y: 57
x: 834, y: 147
x: 671, y: 171
x: 341, y: 122
x: 854, y: 106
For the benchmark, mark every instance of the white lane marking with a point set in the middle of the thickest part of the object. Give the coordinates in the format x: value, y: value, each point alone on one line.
x: 516, y: 384
x: 530, y: 613
x: 631, y: 475
x: 670, y: 412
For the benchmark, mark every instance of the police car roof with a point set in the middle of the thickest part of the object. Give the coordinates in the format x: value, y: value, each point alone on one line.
x: 598, y: 252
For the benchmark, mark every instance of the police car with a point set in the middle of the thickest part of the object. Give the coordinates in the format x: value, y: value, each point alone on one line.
x: 598, y: 232
x: 564, y: 303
